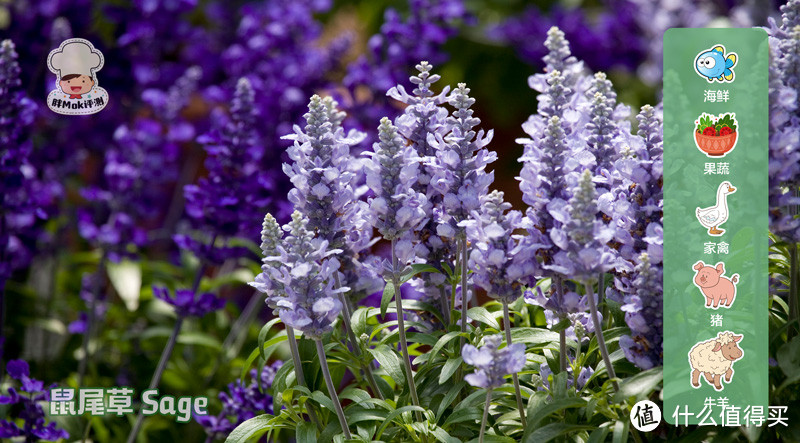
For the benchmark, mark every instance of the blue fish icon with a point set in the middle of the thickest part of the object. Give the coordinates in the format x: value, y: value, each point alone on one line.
x: 714, y: 64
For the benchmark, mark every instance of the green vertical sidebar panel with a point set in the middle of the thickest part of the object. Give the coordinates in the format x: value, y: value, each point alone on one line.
x: 715, y: 223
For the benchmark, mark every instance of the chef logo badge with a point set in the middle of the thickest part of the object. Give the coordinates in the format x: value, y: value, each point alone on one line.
x: 75, y: 63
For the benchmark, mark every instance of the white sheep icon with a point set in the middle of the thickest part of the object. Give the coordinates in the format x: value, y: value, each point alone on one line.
x: 714, y: 358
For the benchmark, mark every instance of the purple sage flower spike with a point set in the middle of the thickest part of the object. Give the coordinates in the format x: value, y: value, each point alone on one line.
x: 493, y: 363
x: 784, y: 109
x: 241, y: 402
x: 271, y: 237
x: 643, y: 314
x: 311, y: 304
x: 325, y: 179
x: 425, y: 119
x: 33, y: 394
x: 396, y: 207
x: 461, y: 178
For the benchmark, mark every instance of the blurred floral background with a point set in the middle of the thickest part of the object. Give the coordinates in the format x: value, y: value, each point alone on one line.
x: 118, y: 227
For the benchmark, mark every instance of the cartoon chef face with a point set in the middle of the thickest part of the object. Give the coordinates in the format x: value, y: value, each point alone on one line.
x: 77, y: 92
x: 75, y: 62
x: 76, y: 84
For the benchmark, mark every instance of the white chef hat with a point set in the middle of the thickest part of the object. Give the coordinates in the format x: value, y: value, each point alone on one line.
x: 75, y: 56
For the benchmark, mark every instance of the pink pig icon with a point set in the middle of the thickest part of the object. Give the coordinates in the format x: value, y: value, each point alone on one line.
x: 718, y: 289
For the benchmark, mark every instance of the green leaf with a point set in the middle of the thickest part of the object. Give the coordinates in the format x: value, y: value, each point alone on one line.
x: 249, y: 362
x: 388, y: 293
x: 465, y: 414
x: 422, y: 338
x: 556, y: 405
x: 416, y: 269
x: 262, y: 335
x: 484, y: 316
x: 448, y: 270
x: 640, y: 385
x: 390, y: 362
x: 417, y: 305
x: 598, y: 435
x: 443, y: 341
x: 621, y: 429
x: 562, y: 325
x: 357, y: 414
x: 449, y: 368
x: 359, y: 321
x: 448, y: 398
x: 392, y: 415
x: 250, y: 429
x: 554, y: 430
x: 533, y: 336
x: 443, y: 436
x: 306, y: 433
x: 788, y: 357
x: 199, y: 339
x: 126, y: 277
x: 601, y: 367
x: 323, y: 400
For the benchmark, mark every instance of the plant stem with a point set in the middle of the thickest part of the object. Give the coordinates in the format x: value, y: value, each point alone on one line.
x: 562, y: 334
x: 507, y: 326
x: 485, y: 413
x: 464, y: 290
x: 601, y: 298
x: 232, y: 344
x: 346, y: 315
x: 401, y: 329
x: 445, y: 306
x: 598, y: 330
x: 162, y: 364
x: 167, y: 353
x: 323, y: 362
x: 298, y: 372
x: 90, y: 319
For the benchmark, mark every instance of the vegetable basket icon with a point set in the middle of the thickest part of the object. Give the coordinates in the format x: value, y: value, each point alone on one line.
x: 716, y: 136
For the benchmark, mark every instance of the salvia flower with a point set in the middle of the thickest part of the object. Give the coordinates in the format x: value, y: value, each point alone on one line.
x: 271, y: 236
x: 642, y: 174
x: 784, y: 124
x: 643, y: 314
x: 92, y: 295
x: 493, y: 364
x: 396, y: 207
x: 325, y: 177
x: 544, y: 188
x: 424, y: 119
x: 187, y: 303
x: 23, y: 197
x: 558, y: 307
x: 461, y: 160
x: 311, y: 303
x: 139, y: 167
x: 603, y: 132
x: 562, y: 94
x: 242, y: 402
x: 582, y: 241
x: 494, y: 249
x: 32, y: 414
x: 237, y: 190
x: 583, y: 376
x: 424, y: 116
